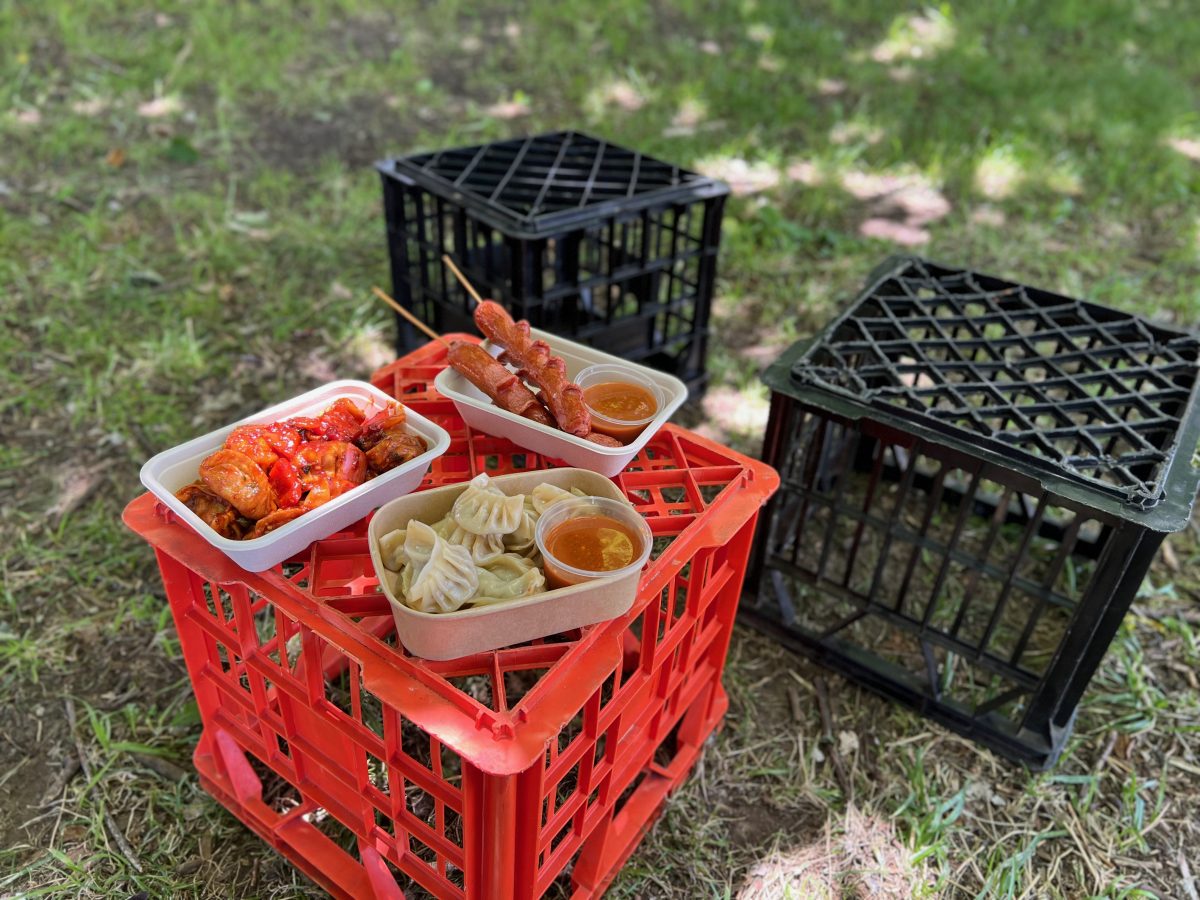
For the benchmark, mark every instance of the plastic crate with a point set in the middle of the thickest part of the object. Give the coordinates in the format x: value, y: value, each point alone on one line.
x: 497, y: 775
x: 976, y: 478
x: 591, y: 241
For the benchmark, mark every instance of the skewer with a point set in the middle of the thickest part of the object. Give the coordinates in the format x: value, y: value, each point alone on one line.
x: 462, y: 279
x: 413, y: 320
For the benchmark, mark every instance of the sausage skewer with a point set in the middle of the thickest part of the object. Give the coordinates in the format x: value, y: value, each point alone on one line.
x: 536, y: 364
x: 479, y: 367
x: 502, y: 387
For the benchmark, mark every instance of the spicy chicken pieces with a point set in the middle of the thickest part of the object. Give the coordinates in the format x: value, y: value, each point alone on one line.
x: 268, y: 475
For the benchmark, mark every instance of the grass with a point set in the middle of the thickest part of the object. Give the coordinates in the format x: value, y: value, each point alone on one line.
x: 188, y: 228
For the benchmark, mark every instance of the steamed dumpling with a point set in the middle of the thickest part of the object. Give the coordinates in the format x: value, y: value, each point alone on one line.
x: 420, y: 540
x: 508, y: 577
x: 391, y: 550
x: 546, y: 494
x: 483, y: 509
x: 482, y: 547
x: 402, y: 546
x: 521, y: 540
x: 445, y: 582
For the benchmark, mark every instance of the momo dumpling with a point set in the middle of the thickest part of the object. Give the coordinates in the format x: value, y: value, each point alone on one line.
x: 391, y: 550
x: 521, y: 540
x: 508, y: 577
x: 483, y: 509
x: 546, y: 494
x: 482, y: 547
x: 419, y: 543
x: 445, y: 581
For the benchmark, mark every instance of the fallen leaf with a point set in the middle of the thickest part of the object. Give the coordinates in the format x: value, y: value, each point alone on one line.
x: 743, y: 177
x: 830, y: 87
x: 847, y: 743
x: 160, y: 107
x: 1187, y: 146
x: 75, y: 487
x: 115, y: 157
x: 988, y: 215
x: 508, y: 109
x: 225, y: 293
x: 318, y: 367
x: 28, y: 116
x: 90, y: 107
x: 897, y: 232
x: 145, y: 278
x: 1169, y: 557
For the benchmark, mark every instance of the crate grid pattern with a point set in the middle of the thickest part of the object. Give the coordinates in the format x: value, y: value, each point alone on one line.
x: 631, y: 273
x: 1096, y: 393
x: 976, y: 476
x: 538, y: 758
x: 534, y: 176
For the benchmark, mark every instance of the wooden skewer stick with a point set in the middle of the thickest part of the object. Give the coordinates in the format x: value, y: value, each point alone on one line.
x: 462, y: 279
x: 417, y: 323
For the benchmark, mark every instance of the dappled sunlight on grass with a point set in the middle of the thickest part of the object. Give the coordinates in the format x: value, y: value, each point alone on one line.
x: 617, y: 94
x: 742, y: 176
x: 999, y: 174
x: 1187, y: 146
x: 859, y: 858
x: 918, y: 36
x: 730, y: 413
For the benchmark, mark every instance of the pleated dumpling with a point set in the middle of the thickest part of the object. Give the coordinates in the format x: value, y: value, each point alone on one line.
x: 521, y: 540
x: 483, y: 509
x: 445, y: 582
x: 508, y: 577
x: 419, y: 543
x: 546, y: 494
x: 391, y: 549
x: 482, y: 547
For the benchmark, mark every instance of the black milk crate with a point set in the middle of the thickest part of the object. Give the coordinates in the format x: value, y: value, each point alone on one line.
x: 588, y: 240
x: 976, y: 478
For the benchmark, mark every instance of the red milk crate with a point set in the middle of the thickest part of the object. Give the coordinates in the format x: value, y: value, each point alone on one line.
x: 499, y: 775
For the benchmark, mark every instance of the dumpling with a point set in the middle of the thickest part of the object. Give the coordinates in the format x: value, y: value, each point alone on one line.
x: 420, y: 540
x: 406, y: 545
x: 391, y: 550
x: 546, y: 494
x: 445, y: 582
x: 482, y: 547
x: 521, y: 540
x: 508, y: 577
x: 483, y: 509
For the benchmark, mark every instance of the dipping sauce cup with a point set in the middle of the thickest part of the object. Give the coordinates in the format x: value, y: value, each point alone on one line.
x: 586, y: 538
x: 622, y: 403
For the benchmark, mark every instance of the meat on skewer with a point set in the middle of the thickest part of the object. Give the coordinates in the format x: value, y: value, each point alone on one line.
x: 504, y: 388
x: 535, y: 363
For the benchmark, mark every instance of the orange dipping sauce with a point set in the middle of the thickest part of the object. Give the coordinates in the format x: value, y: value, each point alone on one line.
x: 591, y: 543
x: 620, y: 409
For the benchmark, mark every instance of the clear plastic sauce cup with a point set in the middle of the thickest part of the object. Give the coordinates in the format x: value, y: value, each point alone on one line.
x: 599, y: 537
x: 641, y: 398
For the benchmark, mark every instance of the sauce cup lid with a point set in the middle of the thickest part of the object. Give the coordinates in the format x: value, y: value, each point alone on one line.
x: 577, y: 507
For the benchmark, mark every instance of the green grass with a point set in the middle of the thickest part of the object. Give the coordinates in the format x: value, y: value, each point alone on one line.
x: 225, y: 264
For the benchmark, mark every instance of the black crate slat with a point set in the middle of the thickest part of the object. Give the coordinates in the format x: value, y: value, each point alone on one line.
x: 570, y: 171
x: 978, y: 581
x: 1056, y: 385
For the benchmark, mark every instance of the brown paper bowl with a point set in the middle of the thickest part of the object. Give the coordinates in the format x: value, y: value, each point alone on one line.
x: 455, y: 634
